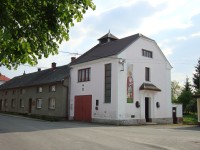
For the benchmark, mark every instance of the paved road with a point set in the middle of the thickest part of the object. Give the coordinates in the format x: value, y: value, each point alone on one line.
x: 18, y: 133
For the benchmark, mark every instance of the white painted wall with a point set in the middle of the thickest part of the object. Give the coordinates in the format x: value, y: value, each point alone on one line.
x: 179, y: 109
x: 95, y: 87
x: 160, y: 76
x: 119, y: 109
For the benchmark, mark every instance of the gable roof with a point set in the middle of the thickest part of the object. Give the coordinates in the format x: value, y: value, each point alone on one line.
x: 38, y: 78
x: 3, y: 78
x: 107, y: 49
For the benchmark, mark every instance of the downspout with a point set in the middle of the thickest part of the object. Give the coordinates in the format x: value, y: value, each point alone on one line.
x: 67, y: 99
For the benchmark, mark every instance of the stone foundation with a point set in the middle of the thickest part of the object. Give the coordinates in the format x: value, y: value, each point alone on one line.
x: 133, y: 121
x: 162, y: 120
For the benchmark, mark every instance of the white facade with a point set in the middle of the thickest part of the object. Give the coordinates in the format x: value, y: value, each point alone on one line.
x: 119, y: 111
x: 179, y: 110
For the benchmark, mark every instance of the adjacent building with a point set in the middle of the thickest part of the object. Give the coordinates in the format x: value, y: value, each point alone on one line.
x: 44, y: 92
x: 121, y: 81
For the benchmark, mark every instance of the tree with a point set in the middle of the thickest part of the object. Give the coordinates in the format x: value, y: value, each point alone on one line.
x: 186, y: 96
x: 175, y: 91
x: 196, y: 77
x: 30, y: 30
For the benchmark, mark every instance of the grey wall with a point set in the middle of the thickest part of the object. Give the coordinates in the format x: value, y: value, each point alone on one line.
x: 31, y: 93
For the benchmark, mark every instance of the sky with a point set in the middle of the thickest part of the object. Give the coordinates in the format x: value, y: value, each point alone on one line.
x: 174, y: 25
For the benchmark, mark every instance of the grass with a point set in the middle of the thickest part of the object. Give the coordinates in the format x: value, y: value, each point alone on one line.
x: 190, y: 119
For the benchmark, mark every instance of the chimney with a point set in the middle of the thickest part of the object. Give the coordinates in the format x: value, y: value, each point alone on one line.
x: 73, y: 58
x: 53, y: 65
x: 39, y: 69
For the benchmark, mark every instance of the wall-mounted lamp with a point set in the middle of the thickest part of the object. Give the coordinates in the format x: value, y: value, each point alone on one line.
x: 122, y: 61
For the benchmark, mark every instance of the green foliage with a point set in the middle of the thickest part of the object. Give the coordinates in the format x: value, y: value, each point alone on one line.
x: 175, y: 91
x: 186, y: 98
x: 190, y: 118
x: 30, y: 30
x: 196, y: 78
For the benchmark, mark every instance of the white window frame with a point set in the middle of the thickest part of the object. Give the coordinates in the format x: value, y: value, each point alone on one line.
x: 52, y: 103
x: 52, y: 88
x: 39, y: 103
x: 40, y: 89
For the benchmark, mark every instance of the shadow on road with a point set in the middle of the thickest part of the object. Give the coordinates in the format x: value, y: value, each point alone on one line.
x: 190, y: 128
x: 10, y: 123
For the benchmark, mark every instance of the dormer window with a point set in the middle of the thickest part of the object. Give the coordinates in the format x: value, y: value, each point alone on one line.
x: 147, y: 53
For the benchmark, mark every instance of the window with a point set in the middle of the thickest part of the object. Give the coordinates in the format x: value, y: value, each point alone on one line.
x: 6, y: 92
x: 147, y: 53
x: 52, y: 88
x: 39, y: 89
x: 13, y: 92
x: 21, y: 103
x: 84, y: 75
x: 107, y: 83
x: 5, y: 103
x: 52, y: 103
x: 22, y: 91
x: 39, y: 103
x: 147, y: 74
x: 13, y: 103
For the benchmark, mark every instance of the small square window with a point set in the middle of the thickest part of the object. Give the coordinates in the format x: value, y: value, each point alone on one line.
x: 39, y: 89
x: 52, y: 88
x: 39, y: 103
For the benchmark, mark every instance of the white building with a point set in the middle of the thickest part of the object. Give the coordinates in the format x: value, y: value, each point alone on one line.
x: 121, y: 81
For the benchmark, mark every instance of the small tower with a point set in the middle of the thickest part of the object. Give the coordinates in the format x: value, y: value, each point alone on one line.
x: 107, y: 38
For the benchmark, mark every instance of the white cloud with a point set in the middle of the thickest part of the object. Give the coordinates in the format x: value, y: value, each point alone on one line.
x: 181, y: 38
x: 195, y: 34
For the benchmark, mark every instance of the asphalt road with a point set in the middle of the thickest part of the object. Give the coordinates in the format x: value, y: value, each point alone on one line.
x: 18, y: 133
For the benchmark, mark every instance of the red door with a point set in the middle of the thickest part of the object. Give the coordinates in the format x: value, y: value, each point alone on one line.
x: 83, y: 108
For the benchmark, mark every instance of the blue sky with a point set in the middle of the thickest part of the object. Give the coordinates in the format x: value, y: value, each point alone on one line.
x: 174, y: 25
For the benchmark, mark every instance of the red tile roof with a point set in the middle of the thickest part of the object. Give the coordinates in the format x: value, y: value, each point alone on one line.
x: 3, y: 78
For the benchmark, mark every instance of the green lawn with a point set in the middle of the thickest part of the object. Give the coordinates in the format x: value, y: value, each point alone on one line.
x: 190, y: 119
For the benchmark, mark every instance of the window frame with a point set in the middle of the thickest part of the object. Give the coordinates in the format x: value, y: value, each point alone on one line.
x: 50, y: 103
x: 51, y: 88
x: 108, y: 83
x: 147, y: 53
x: 147, y: 74
x: 5, y: 103
x: 21, y: 103
x: 22, y: 91
x: 13, y: 103
x: 38, y: 89
x: 84, y: 75
x: 37, y: 103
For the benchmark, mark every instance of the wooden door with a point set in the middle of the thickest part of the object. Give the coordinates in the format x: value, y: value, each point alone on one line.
x: 83, y: 108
